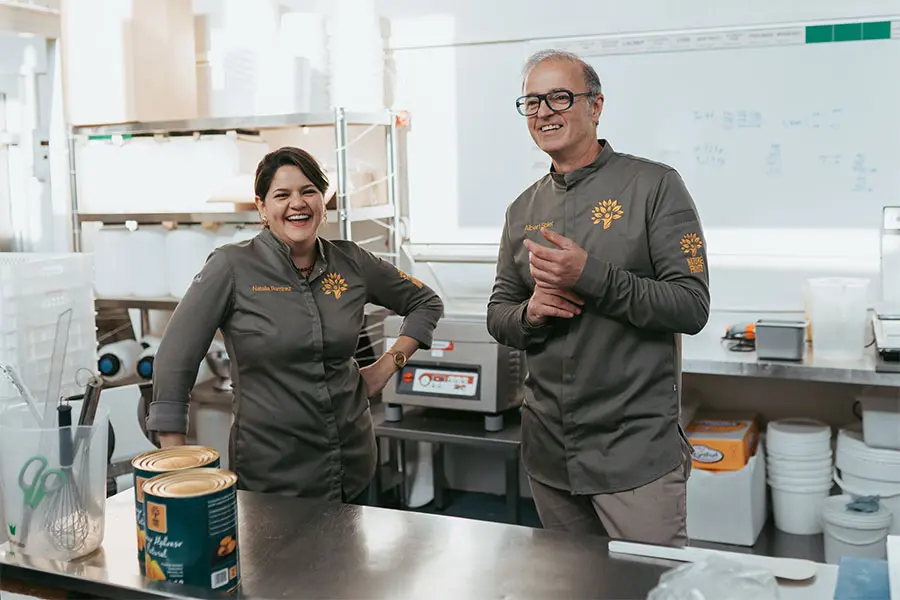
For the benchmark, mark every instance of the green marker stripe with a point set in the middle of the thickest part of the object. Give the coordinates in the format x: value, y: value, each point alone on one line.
x: 848, y: 32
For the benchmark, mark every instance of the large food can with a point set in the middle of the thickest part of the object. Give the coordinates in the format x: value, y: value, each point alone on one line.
x: 164, y: 460
x: 192, y: 528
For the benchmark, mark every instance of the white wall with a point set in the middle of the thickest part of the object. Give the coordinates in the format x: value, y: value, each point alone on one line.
x: 453, y: 62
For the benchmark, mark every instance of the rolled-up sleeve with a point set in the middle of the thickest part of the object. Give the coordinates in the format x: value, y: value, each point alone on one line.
x: 396, y: 290
x: 186, y: 341
x: 508, y: 303
x: 677, y: 298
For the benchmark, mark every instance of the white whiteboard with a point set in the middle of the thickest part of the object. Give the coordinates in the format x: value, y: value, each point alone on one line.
x: 470, y: 153
x: 770, y: 139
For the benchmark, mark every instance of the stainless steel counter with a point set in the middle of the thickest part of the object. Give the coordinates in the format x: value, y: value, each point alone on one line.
x: 294, y: 548
x: 706, y: 353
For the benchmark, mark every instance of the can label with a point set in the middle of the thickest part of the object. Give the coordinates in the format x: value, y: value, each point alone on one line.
x: 206, y: 458
x: 193, y: 540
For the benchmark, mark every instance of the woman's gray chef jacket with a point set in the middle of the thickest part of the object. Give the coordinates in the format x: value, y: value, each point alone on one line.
x: 302, y: 424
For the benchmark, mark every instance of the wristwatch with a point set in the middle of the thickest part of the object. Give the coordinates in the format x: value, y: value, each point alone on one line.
x: 399, y: 358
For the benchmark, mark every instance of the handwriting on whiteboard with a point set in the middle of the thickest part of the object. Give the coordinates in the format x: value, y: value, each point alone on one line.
x: 743, y: 118
x: 775, y: 145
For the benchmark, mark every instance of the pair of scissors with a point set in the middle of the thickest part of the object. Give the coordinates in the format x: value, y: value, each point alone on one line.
x: 45, y: 481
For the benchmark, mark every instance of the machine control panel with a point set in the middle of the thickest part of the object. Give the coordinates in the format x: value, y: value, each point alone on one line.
x: 431, y: 380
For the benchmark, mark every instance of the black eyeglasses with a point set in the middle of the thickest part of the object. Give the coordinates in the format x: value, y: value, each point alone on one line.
x: 557, y: 101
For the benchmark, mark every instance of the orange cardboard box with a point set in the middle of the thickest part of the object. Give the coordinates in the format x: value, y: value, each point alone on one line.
x: 723, y: 442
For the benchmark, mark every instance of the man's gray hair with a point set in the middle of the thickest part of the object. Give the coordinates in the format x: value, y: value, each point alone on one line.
x: 591, y: 79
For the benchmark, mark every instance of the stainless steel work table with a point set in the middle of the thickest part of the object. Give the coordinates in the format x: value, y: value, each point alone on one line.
x: 295, y: 548
x: 707, y: 354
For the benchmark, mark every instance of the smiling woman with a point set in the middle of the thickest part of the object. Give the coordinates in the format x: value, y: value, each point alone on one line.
x: 290, y: 189
x: 290, y: 306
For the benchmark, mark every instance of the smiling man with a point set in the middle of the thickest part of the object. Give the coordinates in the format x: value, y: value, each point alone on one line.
x: 602, y: 265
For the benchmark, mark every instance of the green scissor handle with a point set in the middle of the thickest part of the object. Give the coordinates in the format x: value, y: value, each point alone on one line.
x: 44, y: 481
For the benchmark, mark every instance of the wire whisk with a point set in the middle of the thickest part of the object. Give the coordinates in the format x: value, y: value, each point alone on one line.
x: 66, y: 519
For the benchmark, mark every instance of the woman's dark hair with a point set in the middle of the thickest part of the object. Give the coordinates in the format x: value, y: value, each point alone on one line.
x: 291, y: 156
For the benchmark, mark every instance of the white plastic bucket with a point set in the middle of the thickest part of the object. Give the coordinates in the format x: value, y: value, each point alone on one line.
x: 849, y: 533
x: 798, y: 508
x: 801, y: 466
x: 781, y: 473
x: 866, y: 471
x: 797, y: 432
x: 881, y: 421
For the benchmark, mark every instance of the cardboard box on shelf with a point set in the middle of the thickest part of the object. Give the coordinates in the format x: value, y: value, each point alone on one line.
x: 132, y: 61
x: 728, y: 507
x: 723, y: 442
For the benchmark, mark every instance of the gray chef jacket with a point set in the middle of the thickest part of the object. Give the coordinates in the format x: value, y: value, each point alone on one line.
x: 602, y: 404
x: 302, y: 424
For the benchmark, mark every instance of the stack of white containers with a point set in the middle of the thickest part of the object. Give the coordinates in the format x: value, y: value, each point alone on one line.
x: 356, y: 55
x: 160, y: 264
x: 867, y: 470
x: 34, y: 290
x: 799, y: 472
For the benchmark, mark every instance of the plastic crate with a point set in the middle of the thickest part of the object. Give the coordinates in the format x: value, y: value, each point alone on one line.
x: 35, y: 288
x: 32, y: 273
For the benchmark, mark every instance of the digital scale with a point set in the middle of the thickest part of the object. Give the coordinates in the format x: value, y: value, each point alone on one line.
x: 465, y: 369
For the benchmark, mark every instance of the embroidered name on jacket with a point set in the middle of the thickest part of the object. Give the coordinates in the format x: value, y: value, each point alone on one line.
x: 544, y: 225
x: 270, y: 288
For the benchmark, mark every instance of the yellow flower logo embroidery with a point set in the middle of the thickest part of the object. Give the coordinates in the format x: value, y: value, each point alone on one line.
x: 690, y: 243
x: 606, y: 212
x: 409, y: 278
x: 334, y: 284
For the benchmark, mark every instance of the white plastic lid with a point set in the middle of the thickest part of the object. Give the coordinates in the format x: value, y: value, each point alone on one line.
x: 798, y: 431
x: 851, y: 444
x: 835, y: 511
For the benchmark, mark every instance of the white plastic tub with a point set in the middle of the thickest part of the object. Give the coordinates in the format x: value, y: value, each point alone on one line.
x: 849, y: 533
x: 867, y: 471
x: 881, y: 421
x: 798, y: 507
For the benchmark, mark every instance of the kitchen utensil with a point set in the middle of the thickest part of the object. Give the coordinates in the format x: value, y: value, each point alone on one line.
x: 66, y: 521
x: 57, y: 362
x: 782, y: 568
x: 43, y: 483
x: 35, y: 488
x: 12, y: 374
x: 90, y: 401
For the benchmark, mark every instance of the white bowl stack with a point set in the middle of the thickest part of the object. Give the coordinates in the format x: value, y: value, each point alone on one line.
x: 800, y: 470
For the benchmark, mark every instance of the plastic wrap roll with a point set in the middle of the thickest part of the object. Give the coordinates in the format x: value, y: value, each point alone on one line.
x: 144, y: 366
x: 118, y: 361
x: 150, y: 341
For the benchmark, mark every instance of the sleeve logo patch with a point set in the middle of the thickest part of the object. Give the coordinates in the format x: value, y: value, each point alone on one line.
x: 410, y: 278
x: 690, y: 245
x: 606, y: 212
x: 334, y: 285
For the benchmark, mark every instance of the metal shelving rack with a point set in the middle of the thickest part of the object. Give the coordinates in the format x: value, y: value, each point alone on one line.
x: 344, y: 215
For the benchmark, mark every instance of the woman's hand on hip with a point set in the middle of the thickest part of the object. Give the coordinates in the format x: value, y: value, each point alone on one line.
x: 377, y: 375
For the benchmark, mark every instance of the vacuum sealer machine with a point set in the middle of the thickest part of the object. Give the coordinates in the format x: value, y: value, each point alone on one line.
x: 466, y: 370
